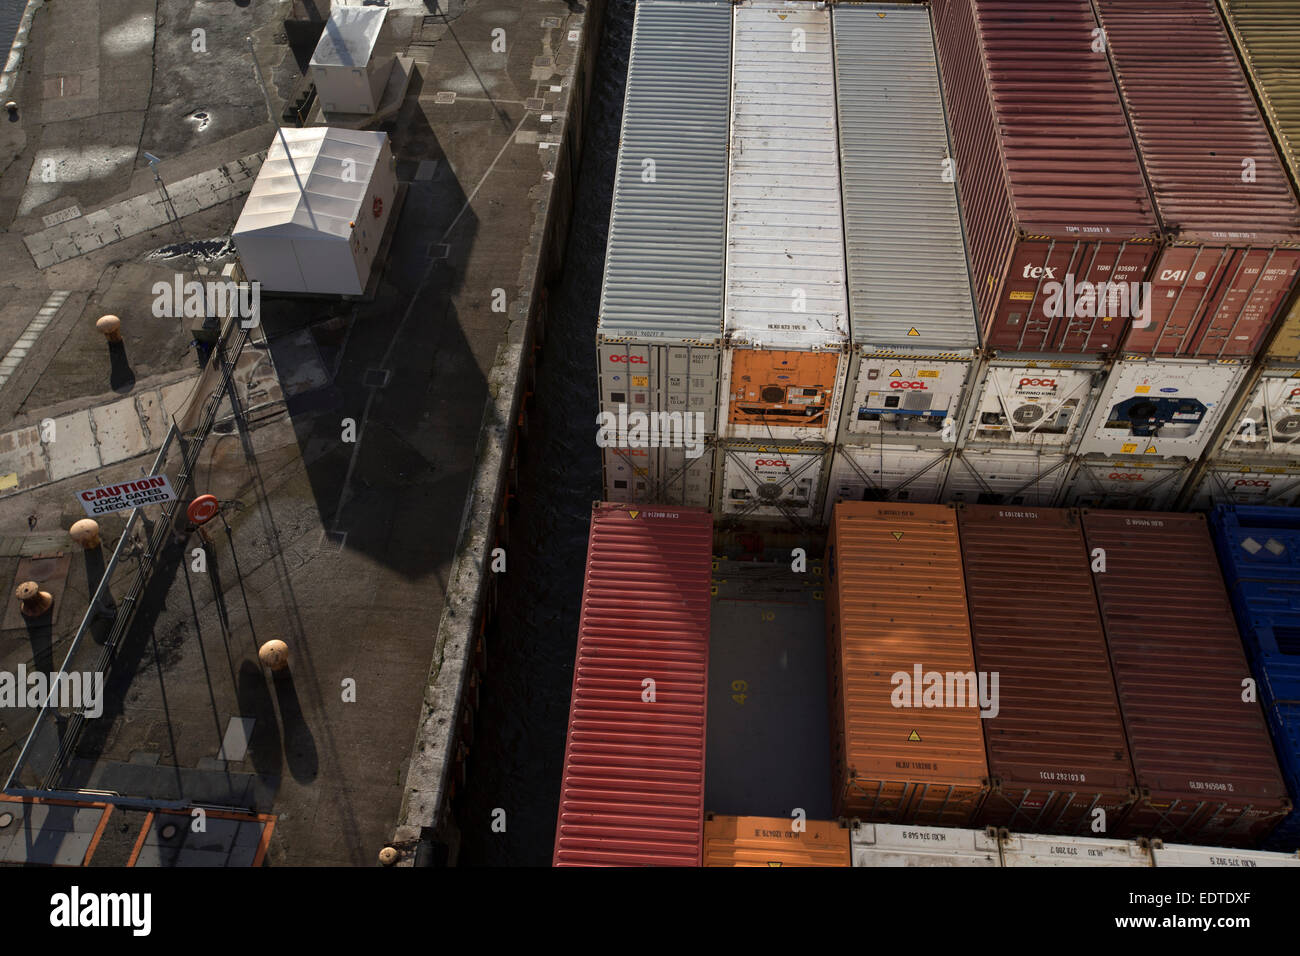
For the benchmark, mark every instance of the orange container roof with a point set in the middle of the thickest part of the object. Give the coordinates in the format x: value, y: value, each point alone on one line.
x: 773, y: 841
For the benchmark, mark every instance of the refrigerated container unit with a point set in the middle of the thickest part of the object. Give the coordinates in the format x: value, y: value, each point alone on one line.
x: 659, y: 330
x: 886, y: 473
x: 1259, y: 549
x: 1135, y: 484
x: 774, y: 841
x: 1231, y: 219
x: 1172, y: 854
x: 785, y: 330
x: 1268, y: 425
x: 1058, y: 760
x: 632, y: 784
x: 912, y: 315
x: 1241, y: 482
x: 1041, y: 406
x: 1020, y: 849
x: 896, y: 616
x: 1161, y: 408
x: 670, y: 476
x: 766, y: 482
x: 991, y: 475
x: 883, y: 844
x: 1204, y: 762
x: 1043, y: 215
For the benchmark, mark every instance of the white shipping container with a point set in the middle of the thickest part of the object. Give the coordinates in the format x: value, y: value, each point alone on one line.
x: 349, y: 78
x: 1031, y: 407
x: 1184, y: 855
x: 904, y: 400
x: 1038, y: 850
x: 1160, y: 408
x: 786, y: 314
x: 1269, y: 425
x: 1010, y: 476
x: 1125, y: 483
x: 886, y: 473
x: 1247, y: 483
x: 771, y: 481
x: 659, y: 476
x: 881, y: 844
x: 668, y: 378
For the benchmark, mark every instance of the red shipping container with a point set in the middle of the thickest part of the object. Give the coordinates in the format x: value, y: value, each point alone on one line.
x: 1231, y: 219
x: 1047, y: 172
x: 633, y: 786
x: 1056, y: 746
x: 1205, y: 765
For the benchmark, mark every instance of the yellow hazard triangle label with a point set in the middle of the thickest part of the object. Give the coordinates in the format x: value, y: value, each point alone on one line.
x: 773, y: 862
x: 896, y: 373
x: 913, y: 332
x: 1151, y: 450
x: 914, y: 737
x: 898, y: 535
x: 634, y: 513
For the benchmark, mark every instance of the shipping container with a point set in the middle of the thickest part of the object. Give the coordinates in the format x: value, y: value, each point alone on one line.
x: 1132, y: 484
x: 1168, y: 854
x: 773, y: 841
x: 1032, y: 407
x: 786, y: 330
x: 1220, y: 189
x: 1269, y: 424
x: 659, y: 331
x: 668, y: 476
x: 1161, y: 408
x: 1241, y: 482
x: 1033, y: 850
x: 1025, y: 86
x: 912, y: 315
x: 1009, y: 476
x: 881, y: 844
x: 886, y: 473
x: 632, y: 788
x: 772, y: 481
x: 898, y: 642
x: 1057, y: 756
x: 1284, y: 347
x: 1205, y: 765
x: 904, y: 400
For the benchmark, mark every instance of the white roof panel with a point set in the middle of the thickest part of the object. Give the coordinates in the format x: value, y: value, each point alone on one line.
x: 349, y: 37
x: 785, y: 240
x: 315, y: 189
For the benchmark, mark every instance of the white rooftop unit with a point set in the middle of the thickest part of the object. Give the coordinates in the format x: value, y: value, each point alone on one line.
x: 317, y: 212
x: 349, y: 78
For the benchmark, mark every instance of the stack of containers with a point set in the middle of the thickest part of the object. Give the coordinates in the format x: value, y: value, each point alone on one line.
x: 1204, y: 763
x: 632, y: 791
x: 659, y: 332
x: 1056, y: 750
x: 896, y: 616
x: 1232, y: 227
x: 785, y: 333
x: 774, y: 841
x: 1258, y: 458
x: 912, y: 314
x: 1054, y: 203
x: 1260, y: 552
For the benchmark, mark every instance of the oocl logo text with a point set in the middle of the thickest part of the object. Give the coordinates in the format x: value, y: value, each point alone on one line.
x: 1037, y: 383
x: 629, y: 359
x: 1116, y: 476
x: 1250, y: 483
x: 916, y: 385
x: 770, y: 463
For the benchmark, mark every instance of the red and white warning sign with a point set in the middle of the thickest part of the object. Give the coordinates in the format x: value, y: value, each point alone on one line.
x: 129, y: 494
x: 203, y: 509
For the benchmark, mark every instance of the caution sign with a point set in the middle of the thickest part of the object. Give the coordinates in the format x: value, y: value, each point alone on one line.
x: 130, y: 494
x: 898, y: 535
x: 914, y: 737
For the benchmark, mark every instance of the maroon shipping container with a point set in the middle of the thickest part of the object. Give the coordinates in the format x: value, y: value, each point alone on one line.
x: 1231, y: 219
x: 1056, y: 746
x: 1047, y: 173
x: 633, y: 787
x: 1205, y: 765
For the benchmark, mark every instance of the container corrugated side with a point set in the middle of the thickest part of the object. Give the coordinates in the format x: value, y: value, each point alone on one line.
x: 785, y: 239
x: 664, y: 262
x: 883, y: 844
x: 909, y: 285
x: 773, y: 841
x: 896, y: 603
x: 1024, y: 89
x: 1009, y: 476
x: 1035, y: 850
x: 1204, y: 761
x: 1056, y: 746
x: 632, y: 789
x: 1219, y: 186
x: 1172, y: 854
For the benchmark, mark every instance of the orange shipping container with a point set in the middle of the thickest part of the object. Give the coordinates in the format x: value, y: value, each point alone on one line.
x: 907, y: 746
x: 773, y: 841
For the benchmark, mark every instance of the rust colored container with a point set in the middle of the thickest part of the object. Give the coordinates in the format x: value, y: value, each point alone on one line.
x: 1047, y: 173
x: 1220, y: 189
x: 1205, y: 765
x: 896, y: 612
x: 1056, y: 747
x: 632, y: 792
x: 772, y: 841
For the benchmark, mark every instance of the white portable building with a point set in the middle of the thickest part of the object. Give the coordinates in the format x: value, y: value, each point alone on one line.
x: 349, y: 77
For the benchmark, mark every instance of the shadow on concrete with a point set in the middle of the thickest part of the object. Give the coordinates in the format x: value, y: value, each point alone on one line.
x: 94, y: 569
x: 120, y: 377
x: 299, y: 744
x: 264, y: 748
x: 40, y: 632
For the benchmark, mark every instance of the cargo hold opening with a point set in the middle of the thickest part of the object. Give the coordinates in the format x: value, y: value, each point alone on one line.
x: 768, y: 734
